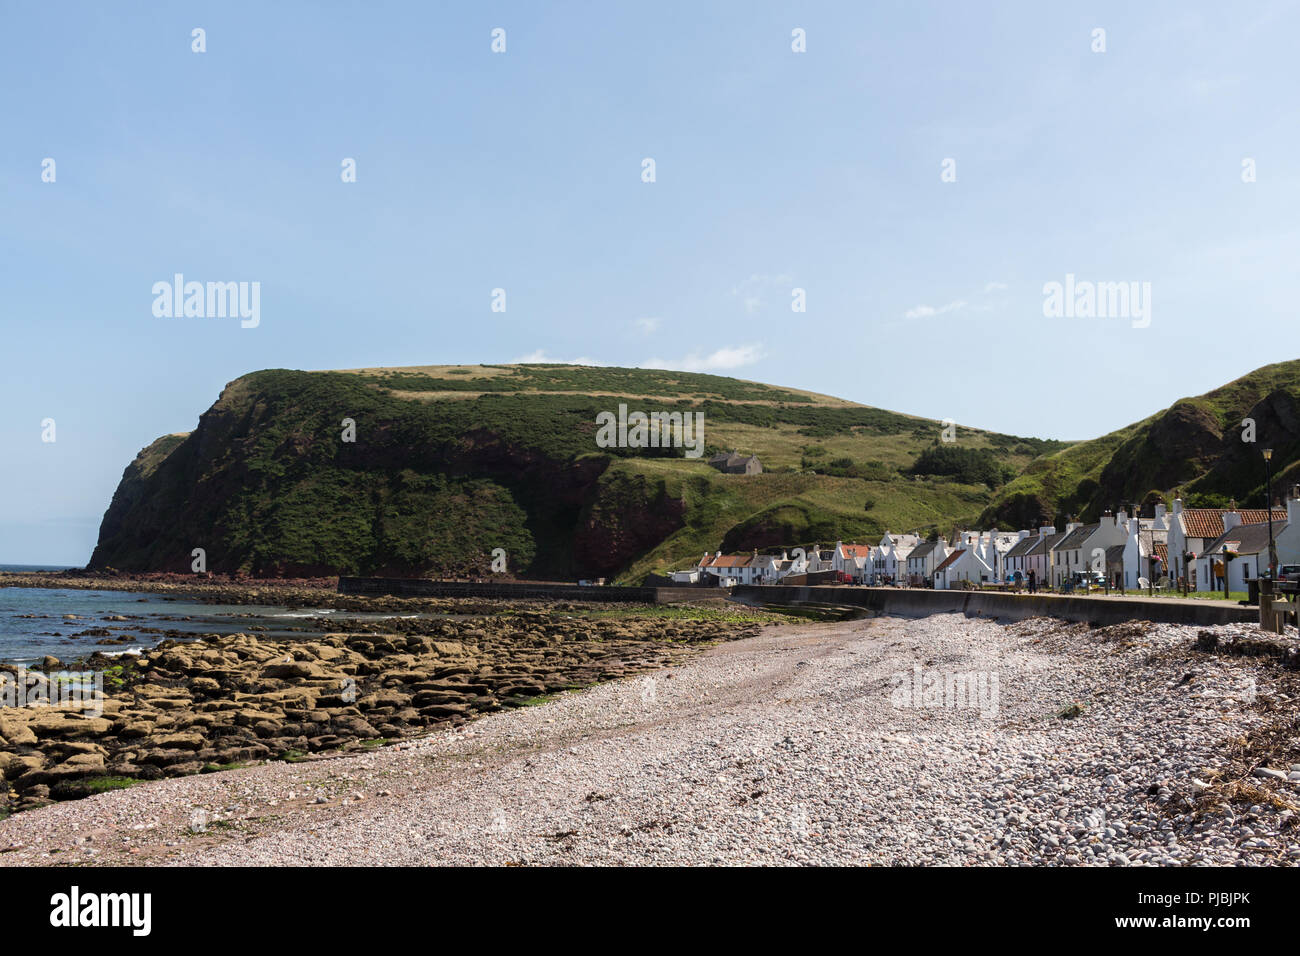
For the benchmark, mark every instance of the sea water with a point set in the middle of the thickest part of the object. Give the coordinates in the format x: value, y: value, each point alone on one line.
x: 35, y: 622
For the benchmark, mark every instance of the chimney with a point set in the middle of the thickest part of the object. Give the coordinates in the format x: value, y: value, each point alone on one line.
x: 1230, y: 520
x: 1107, y: 520
x: 1022, y: 534
x: 1122, y: 517
x: 1178, y: 507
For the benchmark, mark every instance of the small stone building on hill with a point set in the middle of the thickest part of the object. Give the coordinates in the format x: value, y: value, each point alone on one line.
x: 737, y: 464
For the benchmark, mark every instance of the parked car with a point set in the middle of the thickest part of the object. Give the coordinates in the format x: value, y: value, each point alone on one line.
x: 1288, y: 578
x: 1084, y: 581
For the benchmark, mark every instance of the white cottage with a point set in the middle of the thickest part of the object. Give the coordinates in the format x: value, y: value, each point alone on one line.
x: 965, y: 565
x: 1146, y: 536
x: 1288, y: 540
x: 1015, y: 560
x: 852, y: 559
x: 1248, y: 543
x: 889, y: 558
x: 1192, y: 530
x: 925, y: 557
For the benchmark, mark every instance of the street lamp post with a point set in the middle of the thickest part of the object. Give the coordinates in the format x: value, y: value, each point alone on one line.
x: 1137, y: 570
x: 1268, y: 503
x: 1151, y: 564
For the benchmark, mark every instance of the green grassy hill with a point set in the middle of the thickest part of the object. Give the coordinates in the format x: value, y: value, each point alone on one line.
x: 451, y: 462
x: 1194, y: 448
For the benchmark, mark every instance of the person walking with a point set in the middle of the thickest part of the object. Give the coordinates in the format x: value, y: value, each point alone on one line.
x: 1033, y: 580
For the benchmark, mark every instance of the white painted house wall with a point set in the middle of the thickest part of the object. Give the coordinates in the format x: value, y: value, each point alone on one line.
x: 967, y: 566
x: 1287, y: 541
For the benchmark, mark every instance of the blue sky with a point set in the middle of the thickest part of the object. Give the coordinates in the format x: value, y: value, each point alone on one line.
x: 774, y: 170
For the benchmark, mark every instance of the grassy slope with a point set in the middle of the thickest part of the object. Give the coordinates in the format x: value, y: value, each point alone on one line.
x: 1063, y: 481
x: 786, y: 428
x: 1053, y: 480
x: 775, y: 423
x: 458, y: 459
x: 817, y: 508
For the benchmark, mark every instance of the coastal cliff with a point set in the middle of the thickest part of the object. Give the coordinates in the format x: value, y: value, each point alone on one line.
x: 429, y: 470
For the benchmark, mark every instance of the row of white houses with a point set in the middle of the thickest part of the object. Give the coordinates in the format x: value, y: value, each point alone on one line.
x: 1127, y: 551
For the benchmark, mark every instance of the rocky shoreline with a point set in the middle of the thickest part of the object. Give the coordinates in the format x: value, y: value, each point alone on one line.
x: 1132, y: 745
x: 222, y: 702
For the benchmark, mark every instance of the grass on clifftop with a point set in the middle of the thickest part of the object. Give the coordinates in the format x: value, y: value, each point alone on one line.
x: 450, y: 463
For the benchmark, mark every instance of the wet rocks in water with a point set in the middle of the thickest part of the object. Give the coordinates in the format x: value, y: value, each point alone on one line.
x: 195, y: 706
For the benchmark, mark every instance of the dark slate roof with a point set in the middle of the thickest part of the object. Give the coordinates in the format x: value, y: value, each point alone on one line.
x: 1052, y: 541
x: 1077, y: 537
x: 1115, y: 554
x: 1022, y: 547
x: 1250, y: 538
x: 735, y: 458
x: 924, y: 549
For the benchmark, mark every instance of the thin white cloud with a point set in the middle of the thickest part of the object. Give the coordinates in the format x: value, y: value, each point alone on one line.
x: 722, y: 360
x: 541, y: 358
x: 957, y: 305
x: 647, y: 325
x: 926, y: 311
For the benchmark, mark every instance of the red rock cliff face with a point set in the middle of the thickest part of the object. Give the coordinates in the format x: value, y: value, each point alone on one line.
x: 625, y: 518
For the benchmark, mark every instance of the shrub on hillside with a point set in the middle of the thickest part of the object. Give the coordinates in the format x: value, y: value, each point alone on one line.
x: 970, y: 466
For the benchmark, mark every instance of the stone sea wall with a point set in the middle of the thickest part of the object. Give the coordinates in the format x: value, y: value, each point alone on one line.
x: 920, y: 602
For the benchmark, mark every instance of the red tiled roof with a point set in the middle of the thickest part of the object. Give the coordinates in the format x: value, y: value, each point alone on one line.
x: 950, y: 559
x: 1162, y: 552
x: 856, y: 550
x: 728, y: 561
x: 1208, y: 522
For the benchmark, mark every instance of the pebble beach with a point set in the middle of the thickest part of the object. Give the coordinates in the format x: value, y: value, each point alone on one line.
x: 1138, y: 744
